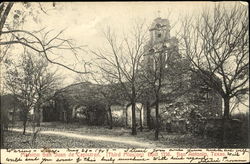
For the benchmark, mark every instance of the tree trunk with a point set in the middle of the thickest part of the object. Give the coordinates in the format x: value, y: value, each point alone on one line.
x: 5, y: 15
x: 133, y: 119
x: 141, y: 120
x: 225, y: 122
x: 13, y: 115
x: 107, y: 117
x: 148, y: 115
x: 110, y: 118
x: 226, y: 107
x: 24, y: 126
x: 133, y: 104
x: 126, y: 115
x: 2, y: 135
x: 38, y: 119
x: 157, y: 118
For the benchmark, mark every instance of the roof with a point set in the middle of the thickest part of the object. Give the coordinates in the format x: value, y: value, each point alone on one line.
x: 87, y: 92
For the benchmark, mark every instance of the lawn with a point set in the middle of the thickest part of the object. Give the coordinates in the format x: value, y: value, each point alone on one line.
x: 19, y: 141
x: 166, y: 140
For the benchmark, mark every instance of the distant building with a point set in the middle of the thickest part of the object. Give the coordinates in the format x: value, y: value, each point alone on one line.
x: 183, y: 91
x: 82, y: 102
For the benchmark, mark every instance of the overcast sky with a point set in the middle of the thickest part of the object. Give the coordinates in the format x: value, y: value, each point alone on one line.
x: 85, y: 21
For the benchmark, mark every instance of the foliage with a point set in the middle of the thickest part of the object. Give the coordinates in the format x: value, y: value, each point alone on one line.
x: 44, y: 42
x: 31, y: 83
x: 95, y: 113
x: 121, y: 63
x: 244, y: 130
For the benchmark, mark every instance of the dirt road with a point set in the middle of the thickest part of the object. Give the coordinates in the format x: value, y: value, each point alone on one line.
x: 124, y: 140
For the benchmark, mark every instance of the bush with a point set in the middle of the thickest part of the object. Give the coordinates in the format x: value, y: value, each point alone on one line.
x: 195, y: 123
x: 244, y: 130
x: 236, y: 131
x: 117, y: 122
x: 213, y: 128
x: 94, y: 114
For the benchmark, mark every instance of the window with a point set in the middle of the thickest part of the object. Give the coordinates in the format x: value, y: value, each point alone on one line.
x: 159, y: 35
x: 158, y: 25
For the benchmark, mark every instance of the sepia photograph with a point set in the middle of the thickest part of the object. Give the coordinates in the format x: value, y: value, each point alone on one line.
x: 124, y: 75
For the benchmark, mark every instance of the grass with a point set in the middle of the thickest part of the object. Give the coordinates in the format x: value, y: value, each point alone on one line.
x: 17, y: 140
x: 166, y: 140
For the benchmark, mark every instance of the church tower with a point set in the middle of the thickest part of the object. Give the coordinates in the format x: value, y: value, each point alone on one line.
x: 160, y: 43
x: 159, y: 31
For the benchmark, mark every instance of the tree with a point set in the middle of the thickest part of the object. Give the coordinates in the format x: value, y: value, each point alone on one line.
x: 217, y: 45
x: 155, y: 78
x: 44, y: 46
x: 162, y: 68
x: 5, y: 8
x: 163, y: 76
x: 46, y: 82
x: 31, y: 83
x: 47, y: 45
x: 122, y: 63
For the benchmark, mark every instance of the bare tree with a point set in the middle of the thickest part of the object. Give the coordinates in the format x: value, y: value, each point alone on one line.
x: 46, y: 82
x: 163, y: 76
x: 154, y: 77
x: 45, y: 45
x: 41, y: 41
x: 217, y: 44
x: 122, y: 63
x: 30, y: 82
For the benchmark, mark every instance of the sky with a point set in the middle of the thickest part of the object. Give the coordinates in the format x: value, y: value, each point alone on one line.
x: 84, y: 22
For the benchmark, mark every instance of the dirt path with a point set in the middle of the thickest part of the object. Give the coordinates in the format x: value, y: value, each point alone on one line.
x: 125, y: 140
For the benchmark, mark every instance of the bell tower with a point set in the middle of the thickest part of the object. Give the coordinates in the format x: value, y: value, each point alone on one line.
x: 160, y: 41
x: 159, y: 31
